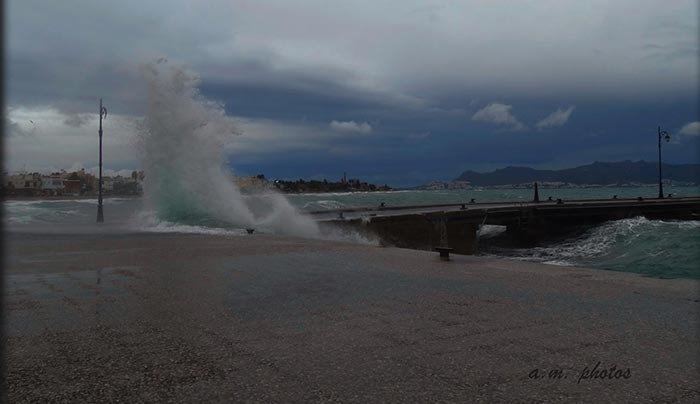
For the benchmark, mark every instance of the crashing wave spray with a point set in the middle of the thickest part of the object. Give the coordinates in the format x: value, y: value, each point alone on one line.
x: 181, y: 142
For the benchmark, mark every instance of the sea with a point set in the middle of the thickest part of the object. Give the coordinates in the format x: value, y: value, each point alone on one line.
x: 655, y: 248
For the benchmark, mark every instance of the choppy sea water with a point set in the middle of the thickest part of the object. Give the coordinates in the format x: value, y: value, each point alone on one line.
x: 665, y: 249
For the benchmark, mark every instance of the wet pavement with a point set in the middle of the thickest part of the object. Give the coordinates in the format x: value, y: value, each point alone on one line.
x: 261, y: 318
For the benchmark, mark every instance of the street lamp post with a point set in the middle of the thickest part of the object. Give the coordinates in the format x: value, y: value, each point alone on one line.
x: 667, y: 137
x: 100, y: 214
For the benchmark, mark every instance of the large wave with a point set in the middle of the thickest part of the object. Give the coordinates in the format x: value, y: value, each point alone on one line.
x: 653, y: 247
x: 181, y: 145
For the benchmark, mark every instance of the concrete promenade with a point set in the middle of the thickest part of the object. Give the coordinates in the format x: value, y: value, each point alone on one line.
x: 191, y: 318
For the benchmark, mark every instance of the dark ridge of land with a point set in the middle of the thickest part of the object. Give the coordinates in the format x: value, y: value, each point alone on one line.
x: 625, y: 172
x: 312, y: 186
x: 193, y: 318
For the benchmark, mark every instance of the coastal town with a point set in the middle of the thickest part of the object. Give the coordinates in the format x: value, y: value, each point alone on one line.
x: 83, y: 183
x: 64, y: 183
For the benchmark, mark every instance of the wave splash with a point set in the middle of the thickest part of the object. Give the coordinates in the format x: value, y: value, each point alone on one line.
x: 181, y: 142
x: 652, y: 247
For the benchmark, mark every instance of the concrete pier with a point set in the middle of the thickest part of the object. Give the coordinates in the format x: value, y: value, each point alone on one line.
x: 419, y: 226
x: 462, y: 237
x: 424, y: 232
x: 409, y: 231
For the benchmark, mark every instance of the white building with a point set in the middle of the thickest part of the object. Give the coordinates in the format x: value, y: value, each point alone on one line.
x: 51, y: 185
x: 26, y: 184
x: 107, y: 184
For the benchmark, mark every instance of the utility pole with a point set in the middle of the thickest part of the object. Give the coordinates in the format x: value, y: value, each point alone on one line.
x: 537, y: 195
x: 100, y: 215
x: 668, y: 138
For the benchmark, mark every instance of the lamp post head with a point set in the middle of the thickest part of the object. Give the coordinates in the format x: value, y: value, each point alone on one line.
x: 665, y: 135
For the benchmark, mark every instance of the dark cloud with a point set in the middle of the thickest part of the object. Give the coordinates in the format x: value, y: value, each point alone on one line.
x: 448, y: 79
x: 77, y: 120
x: 351, y: 127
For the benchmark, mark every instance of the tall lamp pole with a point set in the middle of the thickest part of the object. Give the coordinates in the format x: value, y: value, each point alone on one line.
x: 100, y: 215
x: 667, y: 137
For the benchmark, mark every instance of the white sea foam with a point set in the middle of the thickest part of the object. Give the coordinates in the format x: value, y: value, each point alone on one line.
x: 25, y: 213
x: 324, y: 204
x: 609, y: 238
x: 20, y: 219
x: 488, y: 230
x: 350, y: 235
x: 170, y: 227
x: 356, y: 193
x: 694, y: 224
x: 148, y: 221
x: 105, y: 201
x: 559, y: 262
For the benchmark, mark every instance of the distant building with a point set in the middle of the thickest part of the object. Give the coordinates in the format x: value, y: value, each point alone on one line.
x: 459, y: 185
x: 245, y: 183
x: 23, y: 184
x: 51, y: 185
x: 74, y: 183
x: 88, y: 182
x: 125, y: 186
x: 107, y: 184
x: 72, y: 187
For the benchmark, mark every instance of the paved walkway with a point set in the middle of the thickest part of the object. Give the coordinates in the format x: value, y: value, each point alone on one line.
x: 188, y: 318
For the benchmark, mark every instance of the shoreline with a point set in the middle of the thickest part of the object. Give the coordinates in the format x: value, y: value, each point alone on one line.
x: 343, y: 193
x: 66, y: 197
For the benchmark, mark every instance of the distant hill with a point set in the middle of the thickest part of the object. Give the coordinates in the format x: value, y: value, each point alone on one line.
x: 624, y: 172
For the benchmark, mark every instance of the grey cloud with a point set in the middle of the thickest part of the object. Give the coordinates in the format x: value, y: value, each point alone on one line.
x: 283, y: 60
x: 556, y: 118
x: 331, y: 82
x: 396, y: 55
x: 74, y: 113
x: 74, y: 88
x: 419, y: 136
x: 262, y: 138
x: 691, y: 129
x: 351, y: 126
x: 498, y: 114
x: 44, y: 140
x: 14, y: 129
x: 99, y: 47
x: 77, y: 120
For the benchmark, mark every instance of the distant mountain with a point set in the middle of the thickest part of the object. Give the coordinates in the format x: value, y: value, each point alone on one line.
x: 624, y: 172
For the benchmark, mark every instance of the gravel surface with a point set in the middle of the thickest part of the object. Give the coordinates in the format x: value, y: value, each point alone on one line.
x: 134, y: 318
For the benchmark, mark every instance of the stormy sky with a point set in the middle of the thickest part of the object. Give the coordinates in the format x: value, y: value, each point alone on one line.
x: 397, y: 92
